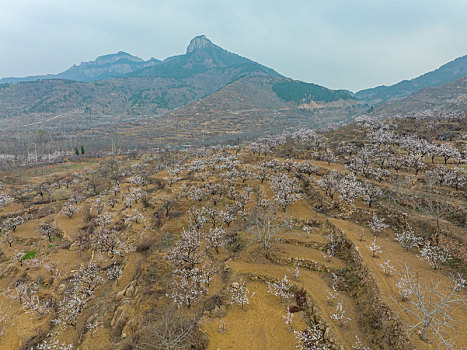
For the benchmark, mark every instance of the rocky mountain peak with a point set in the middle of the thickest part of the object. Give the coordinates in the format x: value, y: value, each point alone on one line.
x: 198, y: 42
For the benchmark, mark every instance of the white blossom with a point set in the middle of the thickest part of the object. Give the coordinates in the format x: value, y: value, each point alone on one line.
x: 407, y: 238
x: 339, y: 315
x: 387, y: 267
x: 5, y: 199
x: 69, y: 209
x: 433, y: 254
x: 215, y: 238
x: 358, y: 345
x: 240, y: 294
x: 281, y: 289
x: 377, y: 224
x: 311, y: 339
x: 285, y: 189
x: 288, y: 317
x: 374, y: 248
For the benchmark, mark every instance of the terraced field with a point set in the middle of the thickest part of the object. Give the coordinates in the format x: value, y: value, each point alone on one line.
x: 260, y: 246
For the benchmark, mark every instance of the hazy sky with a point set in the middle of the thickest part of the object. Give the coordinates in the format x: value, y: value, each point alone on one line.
x: 336, y: 43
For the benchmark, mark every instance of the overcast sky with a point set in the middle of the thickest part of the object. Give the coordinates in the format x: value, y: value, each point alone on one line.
x: 340, y: 44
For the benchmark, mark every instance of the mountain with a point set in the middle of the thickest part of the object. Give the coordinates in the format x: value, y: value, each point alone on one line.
x: 138, y: 87
x: 203, y: 56
x: 207, y: 87
x: 104, y: 67
x: 154, y: 89
x: 446, y: 73
x: 450, y: 97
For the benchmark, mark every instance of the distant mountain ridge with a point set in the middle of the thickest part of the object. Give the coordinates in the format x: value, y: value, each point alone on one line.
x: 104, y: 67
x: 214, y: 66
x: 448, y: 97
x: 201, y: 56
x: 448, y: 72
x: 143, y: 87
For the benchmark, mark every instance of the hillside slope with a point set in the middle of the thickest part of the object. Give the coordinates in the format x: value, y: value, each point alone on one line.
x: 249, y: 247
x: 446, y: 73
x: 247, y: 108
x: 448, y: 97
